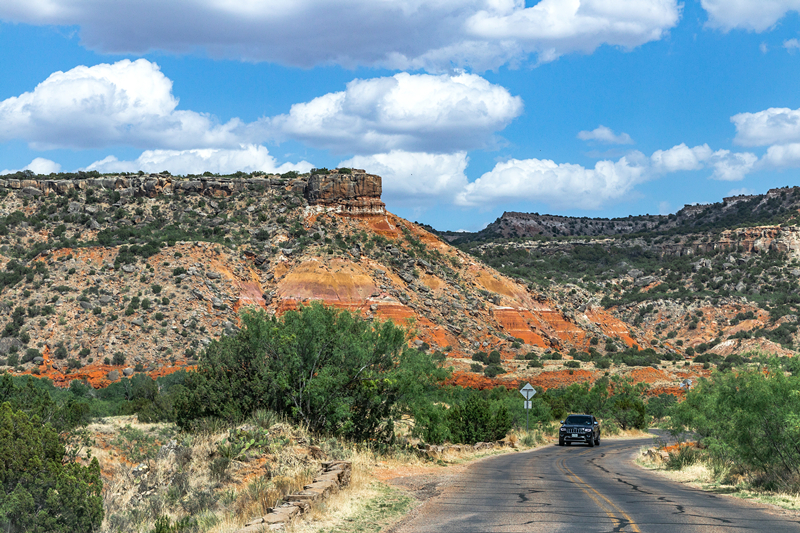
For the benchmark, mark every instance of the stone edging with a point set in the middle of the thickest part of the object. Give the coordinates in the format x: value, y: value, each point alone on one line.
x: 334, y: 475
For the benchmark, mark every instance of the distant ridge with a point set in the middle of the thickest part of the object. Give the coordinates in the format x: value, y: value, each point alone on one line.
x: 733, y: 211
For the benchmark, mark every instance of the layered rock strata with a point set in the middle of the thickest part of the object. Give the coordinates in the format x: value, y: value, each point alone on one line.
x: 355, y: 193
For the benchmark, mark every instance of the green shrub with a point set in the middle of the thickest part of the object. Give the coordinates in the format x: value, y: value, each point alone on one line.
x: 35, y: 476
x: 603, y: 363
x: 572, y: 364
x: 749, y: 418
x: 329, y: 369
x: 659, y: 406
x: 30, y: 354
x: 493, y: 370
x: 481, y: 357
x: 475, y: 421
x: 685, y: 456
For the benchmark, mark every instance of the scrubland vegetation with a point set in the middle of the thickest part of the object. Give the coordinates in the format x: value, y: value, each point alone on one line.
x: 340, y: 385
x: 746, y: 422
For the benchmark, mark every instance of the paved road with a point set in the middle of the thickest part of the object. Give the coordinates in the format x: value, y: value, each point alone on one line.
x: 576, y: 488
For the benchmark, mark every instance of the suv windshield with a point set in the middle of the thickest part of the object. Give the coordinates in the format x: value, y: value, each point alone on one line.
x: 579, y: 420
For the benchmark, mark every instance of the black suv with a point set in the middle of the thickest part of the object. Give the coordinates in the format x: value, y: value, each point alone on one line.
x: 579, y: 428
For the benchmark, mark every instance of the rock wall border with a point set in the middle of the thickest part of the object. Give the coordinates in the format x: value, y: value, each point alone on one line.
x: 334, y: 475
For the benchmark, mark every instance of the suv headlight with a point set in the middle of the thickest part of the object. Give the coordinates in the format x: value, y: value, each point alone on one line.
x: 587, y: 430
x: 563, y: 429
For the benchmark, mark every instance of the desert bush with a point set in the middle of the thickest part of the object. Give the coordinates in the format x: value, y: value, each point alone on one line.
x: 493, y: 370
x: 748, y: 417
x: 683, y: 457
x: 481, y: 357
x: 40, y: 491
x: 475, y: 421
x: 328, y: 369
x: 660, y: 406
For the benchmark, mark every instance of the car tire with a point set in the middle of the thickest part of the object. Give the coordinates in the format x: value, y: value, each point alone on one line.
x: 597, y: 441
x: 560, y: 442
x: 591, y: 443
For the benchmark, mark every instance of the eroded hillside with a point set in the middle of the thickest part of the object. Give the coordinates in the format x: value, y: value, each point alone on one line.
x: 105, y: 276
x: 704, y: 296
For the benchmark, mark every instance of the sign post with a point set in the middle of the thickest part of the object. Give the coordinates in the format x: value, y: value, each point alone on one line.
x: 528, y: 391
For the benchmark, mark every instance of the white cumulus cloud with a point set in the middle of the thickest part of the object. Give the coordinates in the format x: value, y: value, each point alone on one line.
x: 249, y: 158
x: 680, y: 157
x: 131, y: 103
x: 564, y: 185
x: 571, y: 185
x: 605, y: 135
x: 419, y: 112
x: 415, y: 177
x: 727, y: 165
x: 732, y: 166
x: 128, y: 102
x: 399, y: 34
x: 782, y: 156
x: 39, y: 165
x: 775, y: 125
x: 792, y: 45
x: 754, y: 15
x: 555, y: 27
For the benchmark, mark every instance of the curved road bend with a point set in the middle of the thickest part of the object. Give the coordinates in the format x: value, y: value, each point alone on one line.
x: 581, y: 489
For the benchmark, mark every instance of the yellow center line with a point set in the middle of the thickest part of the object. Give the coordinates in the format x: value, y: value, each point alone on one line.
x: 584, y: 486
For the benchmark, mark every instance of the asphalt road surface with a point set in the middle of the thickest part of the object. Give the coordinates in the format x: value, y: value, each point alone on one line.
x: 581, y: 489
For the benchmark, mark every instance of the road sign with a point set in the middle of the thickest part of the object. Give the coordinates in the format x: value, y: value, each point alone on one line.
x: 527, y: 391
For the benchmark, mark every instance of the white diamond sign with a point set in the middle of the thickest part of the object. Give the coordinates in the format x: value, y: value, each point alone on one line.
x: 528, y: 391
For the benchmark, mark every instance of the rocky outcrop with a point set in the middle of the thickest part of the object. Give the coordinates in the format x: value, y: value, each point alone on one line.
x: 759, y: 239
x: 357, y: 193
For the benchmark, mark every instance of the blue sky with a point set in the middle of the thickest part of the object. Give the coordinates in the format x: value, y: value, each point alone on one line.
x: 467, y: 108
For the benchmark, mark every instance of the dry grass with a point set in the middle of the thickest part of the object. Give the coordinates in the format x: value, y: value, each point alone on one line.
x: 626, y: 434
x: 348, y: 503
x: 701, y: 476
x: 153, y: 470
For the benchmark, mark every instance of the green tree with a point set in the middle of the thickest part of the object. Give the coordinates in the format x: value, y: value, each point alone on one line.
x: 625, y: 405
x: 40, y: 493
x: 476, y: 421
x: 748, y: 418
x: 323, y: 367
